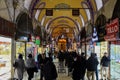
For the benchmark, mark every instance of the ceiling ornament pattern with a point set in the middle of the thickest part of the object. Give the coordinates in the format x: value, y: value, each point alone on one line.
x: 62, y: 5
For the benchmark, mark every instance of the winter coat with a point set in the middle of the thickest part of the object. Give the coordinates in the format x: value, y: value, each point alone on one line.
x: 78, y: 68
x: 92, y: 62
x: 105, y: 61
x: 49, y: 71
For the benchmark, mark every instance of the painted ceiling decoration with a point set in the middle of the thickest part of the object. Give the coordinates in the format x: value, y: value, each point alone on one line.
x: 62, y: 5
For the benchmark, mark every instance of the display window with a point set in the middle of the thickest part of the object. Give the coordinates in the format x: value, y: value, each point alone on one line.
x: 5, y: 58
x: 20, y: 49
x: 100, y: 48
x: 115, y: 61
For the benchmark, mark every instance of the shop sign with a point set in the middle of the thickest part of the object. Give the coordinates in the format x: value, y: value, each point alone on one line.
x: 6, y: 28
x: 112, y: 30
x: 110, y: 37
x: 113, y: 27
x: 115, y: 42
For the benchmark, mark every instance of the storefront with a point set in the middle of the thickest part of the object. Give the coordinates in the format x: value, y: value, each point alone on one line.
x: 112, y: 35
x: 113, y: 30
x: 115, y: 60
x: 115, y: 46
x: 7, y: 30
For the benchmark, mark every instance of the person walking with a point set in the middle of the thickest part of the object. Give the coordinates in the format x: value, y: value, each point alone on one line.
x: 77, y: 68
x: 96, y: 72
x: 91, y: 66
x: 42, y: 62
x: 19, y: 66
x: 105, y: 62
x: 83, y: 65
x: 30, y: 65
x: 49, y: 70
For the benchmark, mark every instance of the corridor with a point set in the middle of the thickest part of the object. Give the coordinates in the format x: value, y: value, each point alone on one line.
x: 50, y: 26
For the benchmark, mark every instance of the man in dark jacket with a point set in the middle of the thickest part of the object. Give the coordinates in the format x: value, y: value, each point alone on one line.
x: 91, y: 66
x: 105, y: 61
x: 79, y: 67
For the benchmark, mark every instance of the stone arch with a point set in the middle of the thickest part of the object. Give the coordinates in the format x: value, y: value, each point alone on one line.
x: 63, y: 17
x: 100, y: 27
x: 24, y: 25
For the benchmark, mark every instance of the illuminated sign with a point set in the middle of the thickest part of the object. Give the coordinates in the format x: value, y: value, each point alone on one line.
x: 113, y: 27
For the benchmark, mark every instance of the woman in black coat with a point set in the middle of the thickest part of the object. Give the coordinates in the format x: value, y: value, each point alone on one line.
x: 49, y: 70
x: 78, y: 68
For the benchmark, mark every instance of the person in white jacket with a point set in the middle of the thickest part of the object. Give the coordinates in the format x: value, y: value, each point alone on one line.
x: 19, y: 66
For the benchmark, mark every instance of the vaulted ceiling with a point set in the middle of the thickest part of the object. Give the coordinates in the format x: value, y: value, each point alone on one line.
x: 62, y: 21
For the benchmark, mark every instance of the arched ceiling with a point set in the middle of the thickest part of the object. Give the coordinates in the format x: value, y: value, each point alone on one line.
x: 62, y: 18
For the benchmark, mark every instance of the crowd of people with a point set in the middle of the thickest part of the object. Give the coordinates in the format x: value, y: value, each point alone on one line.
x: 45, y: 64
x: 77, y: 64
x: 80, y: 66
